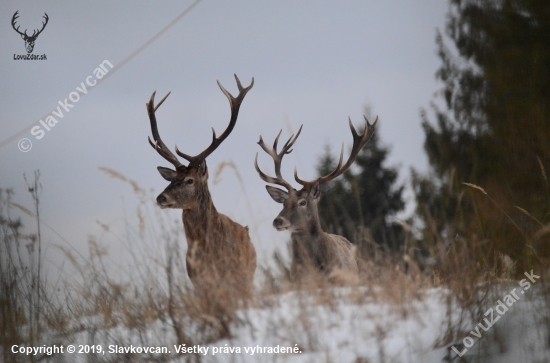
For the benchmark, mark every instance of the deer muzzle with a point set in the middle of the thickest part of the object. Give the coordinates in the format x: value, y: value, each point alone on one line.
x: 164, y: 201
x: 281, y: 223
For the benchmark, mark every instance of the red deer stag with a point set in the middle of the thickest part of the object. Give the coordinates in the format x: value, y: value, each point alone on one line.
x: 312, y: 249
x: 219, y: 251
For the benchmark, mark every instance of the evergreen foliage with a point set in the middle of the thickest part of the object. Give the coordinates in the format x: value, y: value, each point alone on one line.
x: 494, y: 131
x: 360, y: 205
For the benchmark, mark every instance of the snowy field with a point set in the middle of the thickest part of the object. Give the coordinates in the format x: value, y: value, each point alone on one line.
x: 351, y: 325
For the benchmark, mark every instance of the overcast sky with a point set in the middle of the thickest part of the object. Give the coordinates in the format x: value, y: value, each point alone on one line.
x: 314, y: 63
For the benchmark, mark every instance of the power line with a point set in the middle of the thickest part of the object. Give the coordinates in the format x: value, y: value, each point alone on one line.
x: 116, y: 68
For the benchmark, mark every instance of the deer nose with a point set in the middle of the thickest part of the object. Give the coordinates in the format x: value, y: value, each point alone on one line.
x: 161, y: 199
x: 278, y: 222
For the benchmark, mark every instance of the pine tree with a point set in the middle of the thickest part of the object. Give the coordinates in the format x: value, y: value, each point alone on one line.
x: 364, y: 200
x: 494, y: 131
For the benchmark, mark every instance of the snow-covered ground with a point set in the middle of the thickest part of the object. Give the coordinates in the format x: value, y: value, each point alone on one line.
x: 351, y: 326
x: 378, y: 332
x: 342, y: 331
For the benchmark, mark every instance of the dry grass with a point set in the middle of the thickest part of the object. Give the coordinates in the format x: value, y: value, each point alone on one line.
x: 95, y: 305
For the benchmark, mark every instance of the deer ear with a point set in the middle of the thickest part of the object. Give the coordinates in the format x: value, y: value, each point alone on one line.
x: 166, y: 173
x: 315, y: 191
x: 203, y: 170
x: 277, y: 194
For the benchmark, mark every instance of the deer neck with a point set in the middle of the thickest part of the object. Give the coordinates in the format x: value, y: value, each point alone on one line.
x: 200, y: 221
x: 312, y: 231
x: 310, y: 245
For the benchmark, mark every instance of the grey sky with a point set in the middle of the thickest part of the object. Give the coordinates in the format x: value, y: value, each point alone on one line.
x: 314, y: 63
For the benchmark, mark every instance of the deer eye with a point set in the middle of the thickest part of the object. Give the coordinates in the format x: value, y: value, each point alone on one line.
x: 302, y: 203
x: 190, y: 181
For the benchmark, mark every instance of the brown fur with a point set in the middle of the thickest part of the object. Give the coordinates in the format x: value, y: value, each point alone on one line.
x: 220, y: 254
x: 312, y: 249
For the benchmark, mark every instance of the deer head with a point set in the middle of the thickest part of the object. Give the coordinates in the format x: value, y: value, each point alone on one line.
x: 29, y: 40
x: 299, y: 214
x: 188, y: 184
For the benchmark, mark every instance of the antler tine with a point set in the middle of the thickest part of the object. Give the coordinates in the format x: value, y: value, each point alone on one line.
x: 277, y: 159
x: 43, y: 23
x: 359, y: 140
x: 161, y: 101
x: 235, y: 104
x: 159, y: 146
x: 13, y: 19
x: 291, y: 141
x: 270, y: 179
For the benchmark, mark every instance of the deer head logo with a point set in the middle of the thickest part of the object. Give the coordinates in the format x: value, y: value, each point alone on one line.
x: 29, y: 40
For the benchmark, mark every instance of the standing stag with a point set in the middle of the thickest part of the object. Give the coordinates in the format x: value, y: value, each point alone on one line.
x: 219, y: 252
x: 312, y: 249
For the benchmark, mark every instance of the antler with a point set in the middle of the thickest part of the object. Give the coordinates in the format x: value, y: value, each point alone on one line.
x: 159, y: 146
x: 15, y: 16
x: 277, y: 158
x: 358, y: 142
x: 34, y: 34
x: 43, y: 26
x: 235, y: 104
